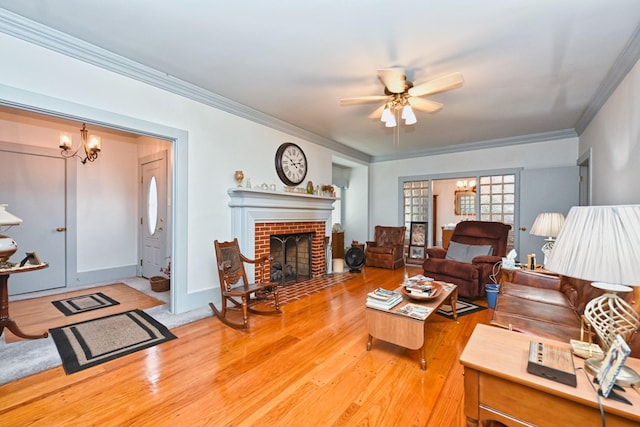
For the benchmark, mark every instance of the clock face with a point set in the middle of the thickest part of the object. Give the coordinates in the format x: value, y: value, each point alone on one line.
x: 291, y: 164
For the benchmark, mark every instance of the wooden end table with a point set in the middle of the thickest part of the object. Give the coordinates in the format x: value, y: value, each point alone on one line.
x: 398, y: 329
x: 497, y: 387
x: 5, y: 320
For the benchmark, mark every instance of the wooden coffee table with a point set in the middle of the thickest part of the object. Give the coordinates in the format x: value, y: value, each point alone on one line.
x: 406, y: 331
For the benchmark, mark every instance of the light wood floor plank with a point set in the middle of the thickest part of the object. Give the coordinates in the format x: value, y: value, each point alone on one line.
x: 307, y: 366
x: 39, y: 314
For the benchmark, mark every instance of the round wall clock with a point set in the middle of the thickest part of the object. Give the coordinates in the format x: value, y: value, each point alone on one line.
x: 291, y: 164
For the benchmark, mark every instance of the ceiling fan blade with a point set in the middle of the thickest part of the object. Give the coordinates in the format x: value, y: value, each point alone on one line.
x: 377, y: 113
x: 393, y: 79
x: 425, y: 105
x: 363, y: 99
x: 448, y: 82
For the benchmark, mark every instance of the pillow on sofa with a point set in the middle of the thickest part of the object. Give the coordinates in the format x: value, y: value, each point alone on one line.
x: 466, y: 253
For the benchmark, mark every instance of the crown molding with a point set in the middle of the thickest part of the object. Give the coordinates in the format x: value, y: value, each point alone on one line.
x: 481, y: 145
x: 25, y: 29
x: 619, y: 70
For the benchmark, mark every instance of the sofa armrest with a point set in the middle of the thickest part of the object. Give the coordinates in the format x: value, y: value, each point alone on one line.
x: 372, y: 244
x: 436, y: 252
x: 486, y: 259
x: 570, y: 292
x: 538, y: 280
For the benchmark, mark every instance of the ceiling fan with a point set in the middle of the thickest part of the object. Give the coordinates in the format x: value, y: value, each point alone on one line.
x: 401, y: 95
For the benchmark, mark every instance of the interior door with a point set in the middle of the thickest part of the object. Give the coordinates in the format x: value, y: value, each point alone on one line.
x: 33, y: 186
x: 153, y: 221
x: 544, y: 190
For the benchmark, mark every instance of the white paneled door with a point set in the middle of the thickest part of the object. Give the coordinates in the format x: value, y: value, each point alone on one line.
x: 153, y: 221
x: 33, y: 186
x: 544, y: 190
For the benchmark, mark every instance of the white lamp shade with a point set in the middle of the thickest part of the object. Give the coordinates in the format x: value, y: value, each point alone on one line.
x: 391, y: 121
x: 599, y: 243
x: 7, y: 218
x: 547, y: 224
x: 386, y: 115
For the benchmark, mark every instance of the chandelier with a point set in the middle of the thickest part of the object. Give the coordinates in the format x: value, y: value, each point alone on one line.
x: 90, y: 143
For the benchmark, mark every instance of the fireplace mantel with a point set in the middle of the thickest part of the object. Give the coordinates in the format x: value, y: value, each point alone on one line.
x: 250, y: 206
x: 249, y: 197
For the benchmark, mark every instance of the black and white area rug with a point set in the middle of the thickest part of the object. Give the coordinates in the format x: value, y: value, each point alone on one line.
x: 90, y: 343
x: 462, y: 308
x: 84, y: 303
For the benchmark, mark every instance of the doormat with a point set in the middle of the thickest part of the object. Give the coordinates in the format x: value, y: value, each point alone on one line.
x: 462, y: 308
x: 84, y: 303
x: 93, y: 342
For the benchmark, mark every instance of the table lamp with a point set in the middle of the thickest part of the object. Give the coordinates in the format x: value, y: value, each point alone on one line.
x: 547, y: 224
x: 602, y: 244
x: 8, y: 246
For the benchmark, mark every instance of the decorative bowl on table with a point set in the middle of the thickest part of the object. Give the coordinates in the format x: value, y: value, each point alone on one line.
x: 427, y: 292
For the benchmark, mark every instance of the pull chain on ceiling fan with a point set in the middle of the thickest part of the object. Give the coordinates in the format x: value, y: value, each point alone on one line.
x: 400, y: 94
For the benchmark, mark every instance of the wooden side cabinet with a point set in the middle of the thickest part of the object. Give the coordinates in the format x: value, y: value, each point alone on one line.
x: 446, y: 237
x: 498, y: 387
x: 337, y: 244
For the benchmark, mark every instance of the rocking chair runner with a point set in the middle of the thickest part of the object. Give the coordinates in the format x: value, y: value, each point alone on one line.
x: 234, y: 284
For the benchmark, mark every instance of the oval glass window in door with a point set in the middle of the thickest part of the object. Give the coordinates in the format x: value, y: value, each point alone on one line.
x: 152, y: 205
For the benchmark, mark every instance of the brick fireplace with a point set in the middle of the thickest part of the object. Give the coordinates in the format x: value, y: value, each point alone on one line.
x: 258, y: 214
x: 264, y: 231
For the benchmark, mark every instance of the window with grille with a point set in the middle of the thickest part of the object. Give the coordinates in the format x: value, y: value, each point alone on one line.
x: 416, y: 203
x: 498, y: 201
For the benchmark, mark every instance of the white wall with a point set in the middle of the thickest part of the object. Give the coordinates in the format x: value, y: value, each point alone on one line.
x: 614, y: 137
x: 385, y: 200
x: 216, y: 144
x: 107, y: 209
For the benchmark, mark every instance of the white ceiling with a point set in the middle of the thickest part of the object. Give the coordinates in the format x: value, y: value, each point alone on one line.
x: 532, y: 68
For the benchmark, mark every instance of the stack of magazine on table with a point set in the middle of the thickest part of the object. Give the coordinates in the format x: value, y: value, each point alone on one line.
x: 414, y: 310
x: 383, y: 299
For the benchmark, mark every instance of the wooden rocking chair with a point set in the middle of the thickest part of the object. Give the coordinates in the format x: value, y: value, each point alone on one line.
x: 235, y: 287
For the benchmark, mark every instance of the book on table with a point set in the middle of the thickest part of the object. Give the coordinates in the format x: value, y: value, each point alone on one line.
x: 383, y: 299
x: 419, y: 285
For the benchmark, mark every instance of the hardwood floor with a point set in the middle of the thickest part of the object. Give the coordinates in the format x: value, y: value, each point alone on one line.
x: 39, y: 314
x: 308, y: 366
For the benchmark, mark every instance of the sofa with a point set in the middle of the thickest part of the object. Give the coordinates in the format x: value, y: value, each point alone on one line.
x: 472, y: 258
x: 387, y: 248
x: 546, y: 305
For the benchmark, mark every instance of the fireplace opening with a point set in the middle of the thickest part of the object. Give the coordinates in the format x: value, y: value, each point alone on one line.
x: 290, y: 257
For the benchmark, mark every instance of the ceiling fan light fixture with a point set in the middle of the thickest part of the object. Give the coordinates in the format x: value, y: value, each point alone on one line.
x: 386, y: 115
x: 391, y: 122
x: 408, y: 115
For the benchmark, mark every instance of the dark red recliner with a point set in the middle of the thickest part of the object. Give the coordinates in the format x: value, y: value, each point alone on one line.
x: 387, y: 250
x: 472, y: 259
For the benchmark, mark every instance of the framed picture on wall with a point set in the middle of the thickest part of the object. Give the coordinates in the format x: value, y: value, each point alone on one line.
x: 418, y: 235
x: 417, y: 240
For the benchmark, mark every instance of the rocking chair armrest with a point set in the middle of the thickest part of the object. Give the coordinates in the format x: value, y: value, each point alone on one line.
x: 260, y: 260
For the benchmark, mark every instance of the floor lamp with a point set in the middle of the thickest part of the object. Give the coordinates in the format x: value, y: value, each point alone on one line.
x: 602, y: 244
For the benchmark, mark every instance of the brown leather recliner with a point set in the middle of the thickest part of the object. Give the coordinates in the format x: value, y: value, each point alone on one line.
x: 467, y: 262
x: 387, y: 250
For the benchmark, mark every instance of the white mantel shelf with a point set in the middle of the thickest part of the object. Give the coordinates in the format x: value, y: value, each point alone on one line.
x: 257, y: 198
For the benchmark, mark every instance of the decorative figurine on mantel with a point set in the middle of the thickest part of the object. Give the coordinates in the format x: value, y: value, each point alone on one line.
x: 239, y: 176
x: 309, y: 187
